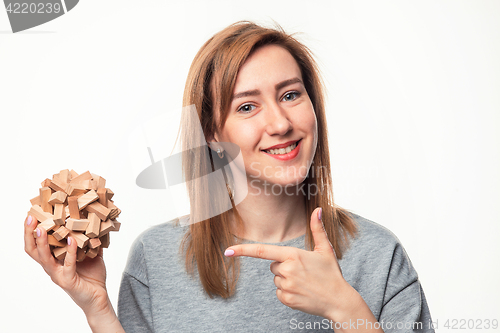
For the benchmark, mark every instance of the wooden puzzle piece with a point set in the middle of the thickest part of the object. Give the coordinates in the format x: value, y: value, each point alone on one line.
x: 59, y: 214
x: 46, y: 182
x: 76, y: 224
x: 101, y: 182
x: 45, y: 194
x: 60, y: 252
x: 61, y: 233
x: 114, y: 211
x: 104, y: 241
x: 74, y: 212
x: 94, y: 243
x: 99, y: 210
x: 36, y: 201
x: 94, y: 226
x: 81, y: 239
x: 103, y: 199
x: 75, y: 189
x: 40, y: 215
x: 58, y: 197
x: 87, y: 199
x: 106, y: 227
x: 81, y: 178
x: 80, y: 254
x: 109, y: 193
x: 54, y: 242
x: 58, y: 185
x: 48, y: 224
x: 92, y: 253
x: 116, y: 225
x: 73, y: 174
x: 64, y: 176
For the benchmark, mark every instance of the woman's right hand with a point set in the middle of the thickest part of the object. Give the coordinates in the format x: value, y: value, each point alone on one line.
x: 85, y: 281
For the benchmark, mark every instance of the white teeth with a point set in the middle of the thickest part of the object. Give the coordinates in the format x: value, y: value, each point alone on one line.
x: 281, y: 151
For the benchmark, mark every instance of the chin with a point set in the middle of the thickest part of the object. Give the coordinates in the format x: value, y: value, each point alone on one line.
x: 297, y: 181
x: 286, y: 182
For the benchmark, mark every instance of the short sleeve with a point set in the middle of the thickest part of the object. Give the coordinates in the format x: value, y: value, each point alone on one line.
x: 405, y: 308
x: 134, y: 301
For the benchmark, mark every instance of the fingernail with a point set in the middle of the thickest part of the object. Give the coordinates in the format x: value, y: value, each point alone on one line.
x: 29, y: 220
x: 69, y: 241
x: 319, y: 213
x: 229, y: 252
x: 38, y: 233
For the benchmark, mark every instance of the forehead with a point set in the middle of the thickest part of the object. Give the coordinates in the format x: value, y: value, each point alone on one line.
x: 265, y: 67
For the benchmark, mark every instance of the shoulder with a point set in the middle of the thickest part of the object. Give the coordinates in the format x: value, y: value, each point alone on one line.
x: 163, y: 235
x: 155, y: 245
x: 371, y: 233
x: 377, y: 250
x: 378, y: 267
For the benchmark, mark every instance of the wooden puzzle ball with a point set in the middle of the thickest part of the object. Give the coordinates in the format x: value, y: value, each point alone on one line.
x: 79, y: 206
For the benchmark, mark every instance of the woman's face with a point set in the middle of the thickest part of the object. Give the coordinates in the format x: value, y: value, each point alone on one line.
x: 271, y: 107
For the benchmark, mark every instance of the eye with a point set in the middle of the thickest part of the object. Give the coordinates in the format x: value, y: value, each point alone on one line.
x: 290, y: 96
x: 246, y: 108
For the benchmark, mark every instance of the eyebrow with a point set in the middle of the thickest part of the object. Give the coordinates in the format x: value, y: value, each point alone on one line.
x: 256, y: 92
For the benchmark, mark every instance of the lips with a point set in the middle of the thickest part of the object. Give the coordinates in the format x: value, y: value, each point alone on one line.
x: 287, y: 156
x: 282, y: 145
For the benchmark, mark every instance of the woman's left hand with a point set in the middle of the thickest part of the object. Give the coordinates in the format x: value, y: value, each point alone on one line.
x: 309, y: 281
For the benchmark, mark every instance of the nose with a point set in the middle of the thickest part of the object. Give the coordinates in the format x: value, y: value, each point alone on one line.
x: 277, y: 120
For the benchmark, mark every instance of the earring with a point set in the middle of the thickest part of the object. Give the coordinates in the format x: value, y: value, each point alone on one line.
x: 220, y: 153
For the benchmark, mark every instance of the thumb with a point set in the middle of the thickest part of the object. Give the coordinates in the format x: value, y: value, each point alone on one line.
x: 321, y: 242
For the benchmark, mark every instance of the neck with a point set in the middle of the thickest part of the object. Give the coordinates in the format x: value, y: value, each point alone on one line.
x: 272, y: 217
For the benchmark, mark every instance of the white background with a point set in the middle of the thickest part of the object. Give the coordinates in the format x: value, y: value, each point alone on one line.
x: 413, y: 116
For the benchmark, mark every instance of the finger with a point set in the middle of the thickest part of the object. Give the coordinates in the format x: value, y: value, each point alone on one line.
x: 69, y: 270
x: 275, y: 268
x: 285, y: 298
x: 321, y: 242
x: 279, y: 294
x: 44, y: 255
x: 29, y: 240
x: 277, y: 281
x: 262, y: 251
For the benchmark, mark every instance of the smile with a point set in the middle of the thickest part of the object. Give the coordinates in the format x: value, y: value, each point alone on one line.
x: 285, y: 153
x: 282, y: 151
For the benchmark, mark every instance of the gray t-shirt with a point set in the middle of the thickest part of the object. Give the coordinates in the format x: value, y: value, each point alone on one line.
x: 157, y: 295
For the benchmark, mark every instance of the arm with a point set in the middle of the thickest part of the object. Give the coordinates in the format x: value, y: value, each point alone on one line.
x: 404, y: 299
x: 84, y: 282
x: 105, y: 322
x: 354, y: 315
x: 312, y: 282
x: 134, y: 300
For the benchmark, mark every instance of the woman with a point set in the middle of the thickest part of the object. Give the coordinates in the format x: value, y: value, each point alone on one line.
x: 283, y: 257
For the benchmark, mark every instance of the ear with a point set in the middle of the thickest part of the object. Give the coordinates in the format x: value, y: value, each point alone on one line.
x: 213, y: 142
x: 214, y: 145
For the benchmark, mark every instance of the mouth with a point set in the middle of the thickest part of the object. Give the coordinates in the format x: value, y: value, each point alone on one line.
x: 284, y: 150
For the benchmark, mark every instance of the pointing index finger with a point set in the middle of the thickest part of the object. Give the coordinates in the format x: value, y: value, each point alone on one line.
x: 262, y: 251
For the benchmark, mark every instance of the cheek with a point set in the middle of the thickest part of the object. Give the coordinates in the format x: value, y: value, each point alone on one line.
x: 309, y: 125
x: 314, y: 127
x: 244, y: 134
x: 307, y: 120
